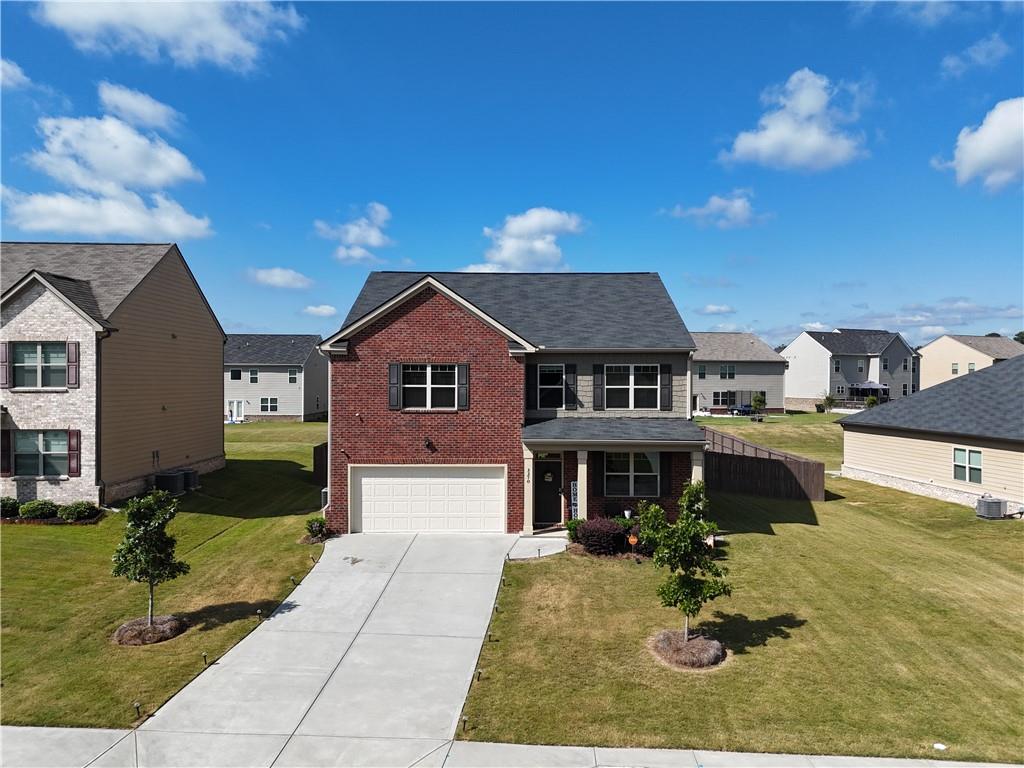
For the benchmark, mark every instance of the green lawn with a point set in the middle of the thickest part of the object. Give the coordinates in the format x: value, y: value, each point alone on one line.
x: 814, y: 435
x: 60, y: 604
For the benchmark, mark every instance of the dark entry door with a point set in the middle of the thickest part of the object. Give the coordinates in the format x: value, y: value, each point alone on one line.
x: 547, y: 493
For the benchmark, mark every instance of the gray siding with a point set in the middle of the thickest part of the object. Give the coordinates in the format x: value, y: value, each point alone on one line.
x: 750, y: 377
x: 273, y: 382
x: 895, y: 377
x: 314, y: 389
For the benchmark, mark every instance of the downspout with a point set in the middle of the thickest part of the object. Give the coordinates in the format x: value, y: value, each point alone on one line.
x: 330, y: 435
x: 97, y: 440
x: 689, y: 384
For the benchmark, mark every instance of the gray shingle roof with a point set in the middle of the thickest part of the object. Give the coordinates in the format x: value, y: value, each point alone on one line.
x: 998, y: 347
x: 989, y: 403
x: 269, y: 348
x: 568, y: 310
x: 853, y: 341
x: 99, y: 276
x: 614, y: 429
x: 733, y: 346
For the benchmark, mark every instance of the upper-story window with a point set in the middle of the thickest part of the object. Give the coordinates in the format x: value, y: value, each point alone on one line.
x: 906, y: 389
x: 955, y: 369
x: 550, y: 386
x: 913, y: 364
x: 40, y: 364
x: 236, y: 374
x: 293, y: 375
x: 702, y: 371
x: 860, y: 366
x: 40, y: 453
x: 970, y: 367
x: 837, y: 365
x: 727, y: 371
x: 428, y: 386
x: 631, y: 386
x: 885, y: 363
x: 906, y: 361
x: 254, y: 375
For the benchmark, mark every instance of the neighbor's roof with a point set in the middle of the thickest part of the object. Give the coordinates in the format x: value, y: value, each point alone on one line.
x: 614, y: 429
x: 96, y: 277
x: 567, y: 310
x: 733, y: 346
x: 998, y: 347
x: 854, y: 341
x: 988, y: 403
x: 269, y: 348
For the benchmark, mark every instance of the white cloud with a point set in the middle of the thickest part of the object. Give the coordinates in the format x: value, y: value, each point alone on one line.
x: 136, y: 107
x: 320, y: 310
x: 802, y: 128
x: 227, y: 34
x: 987, y: 52
x: 358, y: 235
x: 12, y: 76
x: 280, y: 277
x: 528, y: 242
x: 715, y: 309
x: 993, y: 151
x: 928, y: 13
x: 815, y: 326
x: 731, y: 211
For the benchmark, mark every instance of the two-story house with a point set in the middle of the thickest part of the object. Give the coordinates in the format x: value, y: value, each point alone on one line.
x: 852, y: 364
x: 274, y: 377
x: 507, y: 402
x: 729, y: 369
x: 951, y: 355
x: 110, y: 370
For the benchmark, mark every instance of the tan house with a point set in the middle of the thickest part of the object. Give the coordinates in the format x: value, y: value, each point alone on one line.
x: 111, y: 369
x: 956, y: 441
x: 950, y: 356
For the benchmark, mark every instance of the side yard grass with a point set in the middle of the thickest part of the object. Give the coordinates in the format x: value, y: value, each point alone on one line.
x: 814, y: 435
x: 60, y: 604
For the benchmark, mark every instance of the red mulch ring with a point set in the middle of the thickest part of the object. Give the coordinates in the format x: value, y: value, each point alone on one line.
x: 140, y: 632
x: 698, y: 653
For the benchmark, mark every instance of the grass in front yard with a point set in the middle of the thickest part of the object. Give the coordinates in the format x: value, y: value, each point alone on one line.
x: 60, y: 604
x: 813, y: 435
x: 876, y: 623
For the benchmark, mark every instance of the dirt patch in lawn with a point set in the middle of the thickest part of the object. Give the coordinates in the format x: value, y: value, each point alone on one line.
x: 141, y: 632
x: 698, y: 652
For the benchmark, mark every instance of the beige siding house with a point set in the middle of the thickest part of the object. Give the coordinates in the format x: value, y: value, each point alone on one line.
x: 730, y: 368
x: 950, y: 356
x: 955, y: 441
x: 111, y: 370
x: 274, y: 377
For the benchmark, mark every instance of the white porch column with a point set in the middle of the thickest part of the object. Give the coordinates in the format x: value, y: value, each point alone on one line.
x: 581, y: 484
x: 696, y: 465
x: 527, y: 491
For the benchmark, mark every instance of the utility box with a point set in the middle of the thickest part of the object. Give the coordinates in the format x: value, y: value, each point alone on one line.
x: 991, y: 509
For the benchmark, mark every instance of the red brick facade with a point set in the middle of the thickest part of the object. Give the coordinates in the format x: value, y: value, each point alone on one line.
x: 428, y: 328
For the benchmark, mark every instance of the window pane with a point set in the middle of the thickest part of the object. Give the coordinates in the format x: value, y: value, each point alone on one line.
x: 55, y: 465
x: 25, y: 353
x: 616, y: 398
x: 646, y: 463
x: 551, y: 397
x: 25, y: 377
x: 55, y: 376
x: 442, y: 397
x: 645, y: 376
x: 645, y: 398
x: 273, y: 404
x: 236, y: 374
x: 55, y: 441
x: 959, y: 472
x: 26, y: 442
x: 975, y: 474
x: 959, y: 456
x: 975, y: 458
x: 414, y: 374
x: 414, y: 397
x: 26, y: 464
x: 616, y: 485
x: 55, y: 354
x: 442, y: 374
x: 616, y: 375
x: 617, y: 462
x: 645, y: 485
x: 550, y: 375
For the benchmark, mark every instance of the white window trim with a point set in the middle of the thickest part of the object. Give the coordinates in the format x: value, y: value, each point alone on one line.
x: 840, y: 389
x: 40, y: 452
x: 39, y: 368
x: 860, y: 366
x: 276, y: 405
x: 837, y: 365
x: 429, y: 386
x: 293, y: 373
x: 632, y: 476
x: 906, y: 389
x: 231, y: 371
x: 549, y: 386
x: 725, y: 370
x: 968, y: 466
x: 885, y: 363
x: 718, y: 393
x: 632, y: 387
x: 971, y: 367
x: 954, y: 369
x: 254, y: 375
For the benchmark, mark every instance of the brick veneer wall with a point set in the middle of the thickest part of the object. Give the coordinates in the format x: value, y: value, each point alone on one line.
x: 612, y: 506
x: 429, y: 328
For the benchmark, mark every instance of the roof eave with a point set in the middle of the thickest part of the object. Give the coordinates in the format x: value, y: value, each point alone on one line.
x: 97, y: 325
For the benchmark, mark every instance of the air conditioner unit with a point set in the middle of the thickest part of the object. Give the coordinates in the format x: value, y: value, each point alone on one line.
x: 991, y: 509
x: 172, y: 482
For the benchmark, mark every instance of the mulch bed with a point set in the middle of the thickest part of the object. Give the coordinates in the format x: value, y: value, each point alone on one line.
x: 50, y: 520
x: 575, y: 548
x: 698, y: 653
x: 139, y: 632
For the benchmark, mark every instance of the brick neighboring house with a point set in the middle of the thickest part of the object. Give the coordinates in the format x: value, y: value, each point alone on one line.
x: 730, y: 368
x: 852, y: 364
x: 507, y: 402
x: 274, y: 377
x: 110, y: 371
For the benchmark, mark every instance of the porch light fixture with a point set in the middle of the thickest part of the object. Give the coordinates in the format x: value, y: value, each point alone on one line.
x: 429, y: 444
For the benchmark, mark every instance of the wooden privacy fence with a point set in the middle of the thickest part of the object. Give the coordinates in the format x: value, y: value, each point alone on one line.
x: 320, y: 465
x: 737, y: 466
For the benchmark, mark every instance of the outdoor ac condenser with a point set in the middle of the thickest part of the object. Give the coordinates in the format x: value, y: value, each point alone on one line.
x: 991, y: 509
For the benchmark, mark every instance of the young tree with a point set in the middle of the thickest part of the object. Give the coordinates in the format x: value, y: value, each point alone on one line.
x: 146, y: 554
x: 686, y: 549
x: 871, y: 401
x: 1019, y: 337
x: 829, y: 401
x: 757, y: 402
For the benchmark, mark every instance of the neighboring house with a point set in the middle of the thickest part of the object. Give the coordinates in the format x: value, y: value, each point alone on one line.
x: 730, y: 368
x: 955, y: 441
x: 111, y: 370
x: 852, y: 364
x: 950, y: 356
x: 507, y: 402
x: 274, y: 376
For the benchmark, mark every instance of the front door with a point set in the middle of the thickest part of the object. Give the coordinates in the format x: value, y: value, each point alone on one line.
x: 547, y: 493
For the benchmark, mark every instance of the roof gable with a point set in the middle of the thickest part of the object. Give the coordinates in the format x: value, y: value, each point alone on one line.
x: 854, y: 341
x: 996, y: 347
x: 269, y: 348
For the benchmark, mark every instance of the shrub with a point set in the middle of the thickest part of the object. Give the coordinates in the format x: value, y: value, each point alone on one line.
x: 601, y: 536
x: 757, y: 402
x: 39, y: 509
x: 624, y: 522
x: 643, y: 547
x: 9, y: 506
x: 78, y: 510
x: 572, y: 528
x: 871, y: 401
x: 316, y: 527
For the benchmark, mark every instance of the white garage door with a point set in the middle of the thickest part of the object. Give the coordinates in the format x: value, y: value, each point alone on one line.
x: 428, y: 498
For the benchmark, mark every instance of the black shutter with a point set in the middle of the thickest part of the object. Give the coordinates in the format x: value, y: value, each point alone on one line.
x: 599, y: 396
x: 531, y: 387
x: 74, y: 453
x: 570, y: 386
x: 595, y: 459
x: 73, y: 365
x: 394, y: 387
x: 666, y: 386
x: 5, y: 367
x: 462, y: 386
x: 665, y: 474
x: 5, y: 453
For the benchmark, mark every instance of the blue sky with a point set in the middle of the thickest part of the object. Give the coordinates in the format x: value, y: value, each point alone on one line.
x: 781, y: 165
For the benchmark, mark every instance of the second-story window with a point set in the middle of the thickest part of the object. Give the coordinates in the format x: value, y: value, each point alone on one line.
x: 885, y: 363
x: 860, y: 366
x: 254, y: 375
x: 702, y: 371
x: 906, y: 361
x: 40, y: 364
x: 727, y: 371
x: 293, y: 375
x: 837, y: 365
x: 631, y: 386
x: 428, y: 386
x: 970, y: 367
x: 550, y: 386
x: 955, y: 368
x: 236, y: 374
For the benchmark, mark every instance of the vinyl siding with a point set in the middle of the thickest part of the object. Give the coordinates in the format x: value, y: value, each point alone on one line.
x: 161, y: 378
x: 750, y: 376
x: 315, y: 389
x: 273, y: 382
x: 938, y: 357
x: 929, y: 459
x: 809, y: 369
